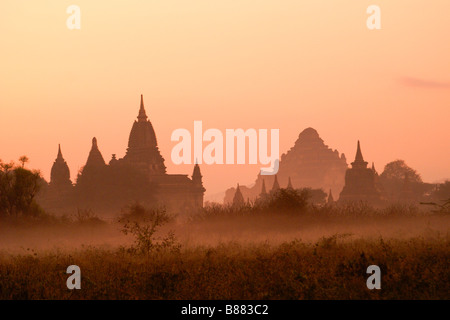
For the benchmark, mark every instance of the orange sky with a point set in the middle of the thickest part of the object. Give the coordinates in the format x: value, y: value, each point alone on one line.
x: 232, y: 64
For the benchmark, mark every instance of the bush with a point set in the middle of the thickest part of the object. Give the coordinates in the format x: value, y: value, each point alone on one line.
x: 284, y: 200
x: 142, y: 224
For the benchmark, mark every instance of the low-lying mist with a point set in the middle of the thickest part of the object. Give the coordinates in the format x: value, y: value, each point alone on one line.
x: 271, y: 228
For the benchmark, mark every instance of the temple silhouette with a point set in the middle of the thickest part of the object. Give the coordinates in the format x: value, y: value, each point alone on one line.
x: 313, y: 165
x: 310, y: 163
x: 139, y: 176
x: 361, y: 182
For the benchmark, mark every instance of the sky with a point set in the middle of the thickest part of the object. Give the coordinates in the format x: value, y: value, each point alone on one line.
x: 285, y: 65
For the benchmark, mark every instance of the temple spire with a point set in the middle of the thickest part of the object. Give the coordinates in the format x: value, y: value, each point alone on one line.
x: 142, y: 115
x: 359, y: 156
x: 60, y: 173
x: 238, y: 199
x: 276, y: 185
x: 60, y: 156
x: 197, y: 176
x: 263, y: 189
x: 95, y: 157
x: 359, y: 160
x: 289, y: 186
x: 373, y: 167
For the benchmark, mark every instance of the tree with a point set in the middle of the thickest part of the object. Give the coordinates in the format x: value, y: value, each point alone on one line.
x: 6, y: 187
x: 442, y: 191
x: 23, y: 160
x: 399, y: 181
x: 316, y: 196
x: 18, y: 189
x: 396, y: 171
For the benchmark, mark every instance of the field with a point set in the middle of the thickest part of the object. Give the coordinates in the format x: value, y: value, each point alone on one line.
x: 242, y: 257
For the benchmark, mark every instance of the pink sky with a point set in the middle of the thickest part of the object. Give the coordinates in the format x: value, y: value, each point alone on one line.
x: 287, y: 65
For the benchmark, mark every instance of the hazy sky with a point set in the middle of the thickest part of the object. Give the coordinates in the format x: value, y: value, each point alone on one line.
x: 232, y: 64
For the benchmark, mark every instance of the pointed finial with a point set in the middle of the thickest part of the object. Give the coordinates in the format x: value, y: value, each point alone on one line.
x: 359, y: 156
x: 59, y: 152
x: 289, y: 186
x: 142, y: 115
x: 238, y: 199
x: 95, y: 157
x: 263, y: 189
x: 196, y: 174
x: 276, y: 185
x: 359, y: 160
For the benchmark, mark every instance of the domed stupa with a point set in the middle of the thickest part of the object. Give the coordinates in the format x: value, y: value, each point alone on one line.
x: 143, y: 151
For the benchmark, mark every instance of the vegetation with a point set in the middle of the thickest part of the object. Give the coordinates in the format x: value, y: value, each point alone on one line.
x: 331, y: 268
x: 287, y: 201
x: 298, y: 203
x: 398, y: 178
x: 396, y: 171
x: 85, y: 217
x: 258, y: 253
x: 18, y: 189
x: 143, y: 224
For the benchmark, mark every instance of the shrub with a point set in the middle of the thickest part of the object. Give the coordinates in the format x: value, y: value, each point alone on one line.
x: 142, y: 224
x: 284, y: 200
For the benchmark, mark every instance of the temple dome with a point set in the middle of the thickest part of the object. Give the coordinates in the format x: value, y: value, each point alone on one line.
x: 309, y: 133
x: 142, y: 134
x: 142, y: 144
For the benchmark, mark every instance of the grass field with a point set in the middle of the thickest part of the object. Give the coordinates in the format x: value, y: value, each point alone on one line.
x: 265, y: 257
